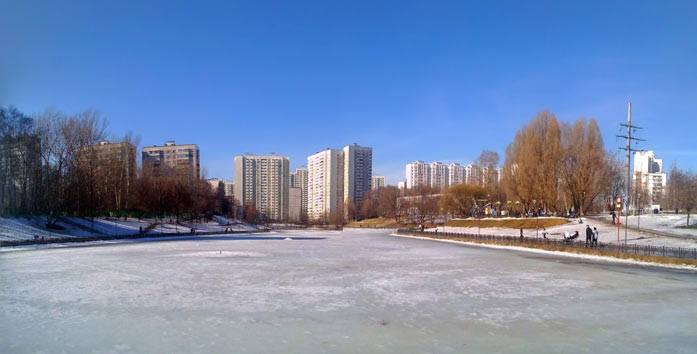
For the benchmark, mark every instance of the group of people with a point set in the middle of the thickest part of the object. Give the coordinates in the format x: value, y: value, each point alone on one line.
x: 591, y: 236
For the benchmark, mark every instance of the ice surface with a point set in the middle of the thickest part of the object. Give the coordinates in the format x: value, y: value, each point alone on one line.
x: 353, y: 291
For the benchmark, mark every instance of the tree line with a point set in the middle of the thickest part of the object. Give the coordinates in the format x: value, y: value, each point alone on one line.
x: 557, y: 167
x: 51, y: 165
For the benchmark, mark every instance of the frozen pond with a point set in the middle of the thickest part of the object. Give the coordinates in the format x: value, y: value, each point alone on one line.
x: 353, y: 291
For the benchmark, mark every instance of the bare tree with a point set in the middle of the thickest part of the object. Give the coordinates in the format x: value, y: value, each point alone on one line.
x: 388, y: 203
x: 488, y: 160
x: 459, y: 199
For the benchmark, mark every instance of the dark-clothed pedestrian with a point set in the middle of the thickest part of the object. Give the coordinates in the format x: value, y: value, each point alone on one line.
x: 521, y: 232
x: 589, y: 235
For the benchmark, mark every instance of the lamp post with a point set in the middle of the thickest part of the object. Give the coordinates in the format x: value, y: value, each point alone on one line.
x: 639, y: 208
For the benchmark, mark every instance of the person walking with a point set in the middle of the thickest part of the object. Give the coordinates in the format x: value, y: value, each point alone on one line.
x: 544, y: 233
x: 521, y: 232
x: 589, y: 235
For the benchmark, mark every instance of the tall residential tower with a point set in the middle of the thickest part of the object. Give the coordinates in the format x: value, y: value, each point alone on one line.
x: 263, y: 181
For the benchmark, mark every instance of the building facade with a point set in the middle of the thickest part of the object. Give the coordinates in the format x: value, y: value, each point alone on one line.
x: 649, y: 175
x: 229, y: 188
x: 115, y: 158
x: 473, y: 174
x: 456, y: 174
x: 215, y: 183
x: 172, y: 161
x: 294, y: 205
x: 358, y: 173
x: 438, y: 175
x: 298, y: 179
x: 378, y: 182
x: 417, y: 173
x: 263, y: 181
x: 325, y: 184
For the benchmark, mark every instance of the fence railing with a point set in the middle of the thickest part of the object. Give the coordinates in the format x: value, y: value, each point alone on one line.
x: 647, y: 250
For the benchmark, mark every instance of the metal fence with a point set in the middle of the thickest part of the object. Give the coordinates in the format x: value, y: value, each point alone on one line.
x: 647, y: 250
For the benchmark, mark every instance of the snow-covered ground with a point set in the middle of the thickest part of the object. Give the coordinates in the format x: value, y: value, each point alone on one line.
x: 353, y: 291
x: 607, y: 232
x: 669, y: 223
x: 28, y: 228
x: 21, y: 228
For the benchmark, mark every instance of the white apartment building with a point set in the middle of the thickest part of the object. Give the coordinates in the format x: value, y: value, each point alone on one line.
x: 473, y: 174
x: 402, y: 184
x: 378, y: 182
x: 358, y: 172
x: 417, y: 173
x: 456, y: 174
x: 228, y: 186
x: 325, y: 184
x: 262, y: 180
x: 648, y: 171
x: 438, y: 175
x: 214, y: 182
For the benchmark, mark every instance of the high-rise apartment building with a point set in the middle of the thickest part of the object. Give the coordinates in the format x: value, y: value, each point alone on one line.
x: 325, y: 184
x: 263, y: 181
x: 294, y: 207
x: 438, y: 175
x: 172, y: 160
x: 335, y: 177
x: 215, y: 183
x: 298, y: 179
x: 417, y: 173
x: 229, y: 188
x: 648, y: 174
x: 456, y: 174
x: 358, y: 173
x: 493, y: 176
x: 378, y: 182
x: 473, y: 174
x: 499, y: 174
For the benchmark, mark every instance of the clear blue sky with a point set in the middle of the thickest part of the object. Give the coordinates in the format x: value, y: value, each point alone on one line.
x: 429, y: 80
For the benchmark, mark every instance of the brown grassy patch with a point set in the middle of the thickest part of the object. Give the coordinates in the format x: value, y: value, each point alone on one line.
x: 381, y: 223
x: 530, y: 223
x: 588, y: 251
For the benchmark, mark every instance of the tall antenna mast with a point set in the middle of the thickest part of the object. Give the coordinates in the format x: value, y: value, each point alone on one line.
x: 628, y: 150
